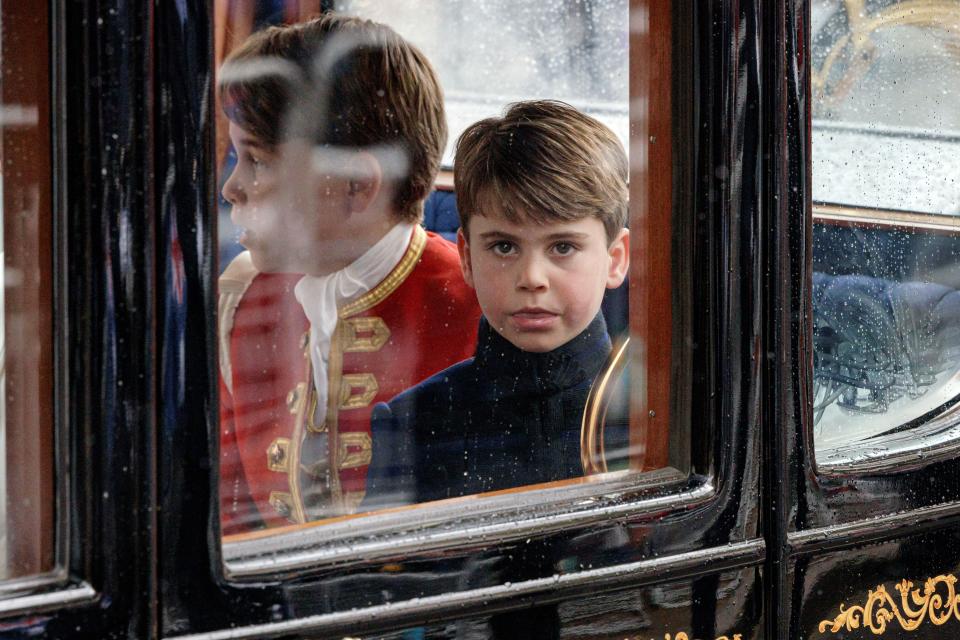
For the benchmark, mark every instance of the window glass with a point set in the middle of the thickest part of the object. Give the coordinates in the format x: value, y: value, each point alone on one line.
x: 886, y: 158
x: 370, y: 359
x: 27, y: 528
x: 490, y: 53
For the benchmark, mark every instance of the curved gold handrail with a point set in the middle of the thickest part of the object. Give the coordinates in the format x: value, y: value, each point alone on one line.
x: 592, y: 454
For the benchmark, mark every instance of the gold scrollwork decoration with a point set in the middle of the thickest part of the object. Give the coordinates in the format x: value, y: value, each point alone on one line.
x: 938, y: 603
x: 683, y: 636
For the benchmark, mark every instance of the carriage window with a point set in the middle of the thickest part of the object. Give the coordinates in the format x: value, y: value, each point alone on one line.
x: 378, y: 352
x: 26, y: 417
x: 886, y: 213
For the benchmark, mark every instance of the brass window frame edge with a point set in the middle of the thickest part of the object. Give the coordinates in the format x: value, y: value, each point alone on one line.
x: 270, y: 557
x: 884, y: 218
x: 735, y: 556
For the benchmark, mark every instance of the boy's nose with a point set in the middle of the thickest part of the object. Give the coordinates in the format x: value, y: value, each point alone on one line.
x: 232, y: 191
x: 533, y: 275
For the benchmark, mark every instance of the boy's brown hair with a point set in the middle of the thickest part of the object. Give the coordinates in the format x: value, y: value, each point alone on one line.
x: 543, y: 161
x: 344, y: 82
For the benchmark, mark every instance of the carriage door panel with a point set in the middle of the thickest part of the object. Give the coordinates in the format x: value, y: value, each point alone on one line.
x: 657, y: 534
x: 870, y: 542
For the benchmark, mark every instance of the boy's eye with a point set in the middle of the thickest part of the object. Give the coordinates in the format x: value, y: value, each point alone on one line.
x: 564, y: 248
x: 256, y: 161
x: 503, y: 248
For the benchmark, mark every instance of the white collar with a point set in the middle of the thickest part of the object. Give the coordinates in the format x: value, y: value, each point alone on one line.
x: 322, y: 296
x: 315, y: 293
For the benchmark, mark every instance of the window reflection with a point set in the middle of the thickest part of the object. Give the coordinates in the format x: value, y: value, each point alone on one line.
x: 886, y: 153
x: 886, y: 127
x: 27, y: 525
x: 341, y: 298
x: 491, y: 53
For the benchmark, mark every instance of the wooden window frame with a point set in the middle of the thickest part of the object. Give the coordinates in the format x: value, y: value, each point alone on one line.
x: 28, y: 306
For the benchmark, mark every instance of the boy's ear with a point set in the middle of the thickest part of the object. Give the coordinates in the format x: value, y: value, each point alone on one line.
x: 463, y: 247
x: 619, y: 252
x: 365, y: 180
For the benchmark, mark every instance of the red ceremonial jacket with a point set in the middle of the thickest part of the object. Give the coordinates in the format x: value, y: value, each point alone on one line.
x: 277, y: 465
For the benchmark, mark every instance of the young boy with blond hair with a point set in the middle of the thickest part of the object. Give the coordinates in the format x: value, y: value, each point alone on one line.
x: 341, y: 299
x: 542, y: 194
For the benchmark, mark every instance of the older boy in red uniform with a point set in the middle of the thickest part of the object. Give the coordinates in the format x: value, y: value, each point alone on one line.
x: 341, y: 299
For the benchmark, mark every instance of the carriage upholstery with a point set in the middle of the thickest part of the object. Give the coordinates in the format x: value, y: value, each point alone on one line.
x: 440, y: 214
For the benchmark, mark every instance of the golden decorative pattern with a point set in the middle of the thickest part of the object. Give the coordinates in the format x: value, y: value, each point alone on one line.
x: 311, y: 412
x: 300, y: 400
x: 393, y: 280
x: 357, y: 390
x: 938, y: 603
x: 683, y: 636
x: 366, y: 334
x: 278, y: 455
x: 355, y: 449
x: 331, y: 421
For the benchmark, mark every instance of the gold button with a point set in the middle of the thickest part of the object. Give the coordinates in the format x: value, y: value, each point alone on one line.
x: 282, y: 503
x: 277, y: 454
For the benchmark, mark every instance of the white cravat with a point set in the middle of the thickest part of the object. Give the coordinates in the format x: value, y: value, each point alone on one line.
x: 321, y: 296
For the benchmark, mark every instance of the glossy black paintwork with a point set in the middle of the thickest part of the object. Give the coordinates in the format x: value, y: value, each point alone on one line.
x: 643, y: 613
x: 825, y: 581
x: 143, y: 365
x: 827, y: 500
x: 186, y: 298
x: 820, y: 523
x: 789, y: 360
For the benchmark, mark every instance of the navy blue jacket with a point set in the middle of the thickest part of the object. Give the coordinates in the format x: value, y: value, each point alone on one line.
x: 501, y: 419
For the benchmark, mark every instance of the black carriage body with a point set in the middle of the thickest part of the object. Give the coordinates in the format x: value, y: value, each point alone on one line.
x: 756, y: 543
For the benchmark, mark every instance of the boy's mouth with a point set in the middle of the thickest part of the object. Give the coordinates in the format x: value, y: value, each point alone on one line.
x: 534, y: 319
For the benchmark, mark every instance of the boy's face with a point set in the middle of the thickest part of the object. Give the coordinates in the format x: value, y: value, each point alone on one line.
x: 289, y: 214
x: 539, y: 286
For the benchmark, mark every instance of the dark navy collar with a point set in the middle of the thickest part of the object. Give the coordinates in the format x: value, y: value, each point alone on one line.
x: 572, y: 364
